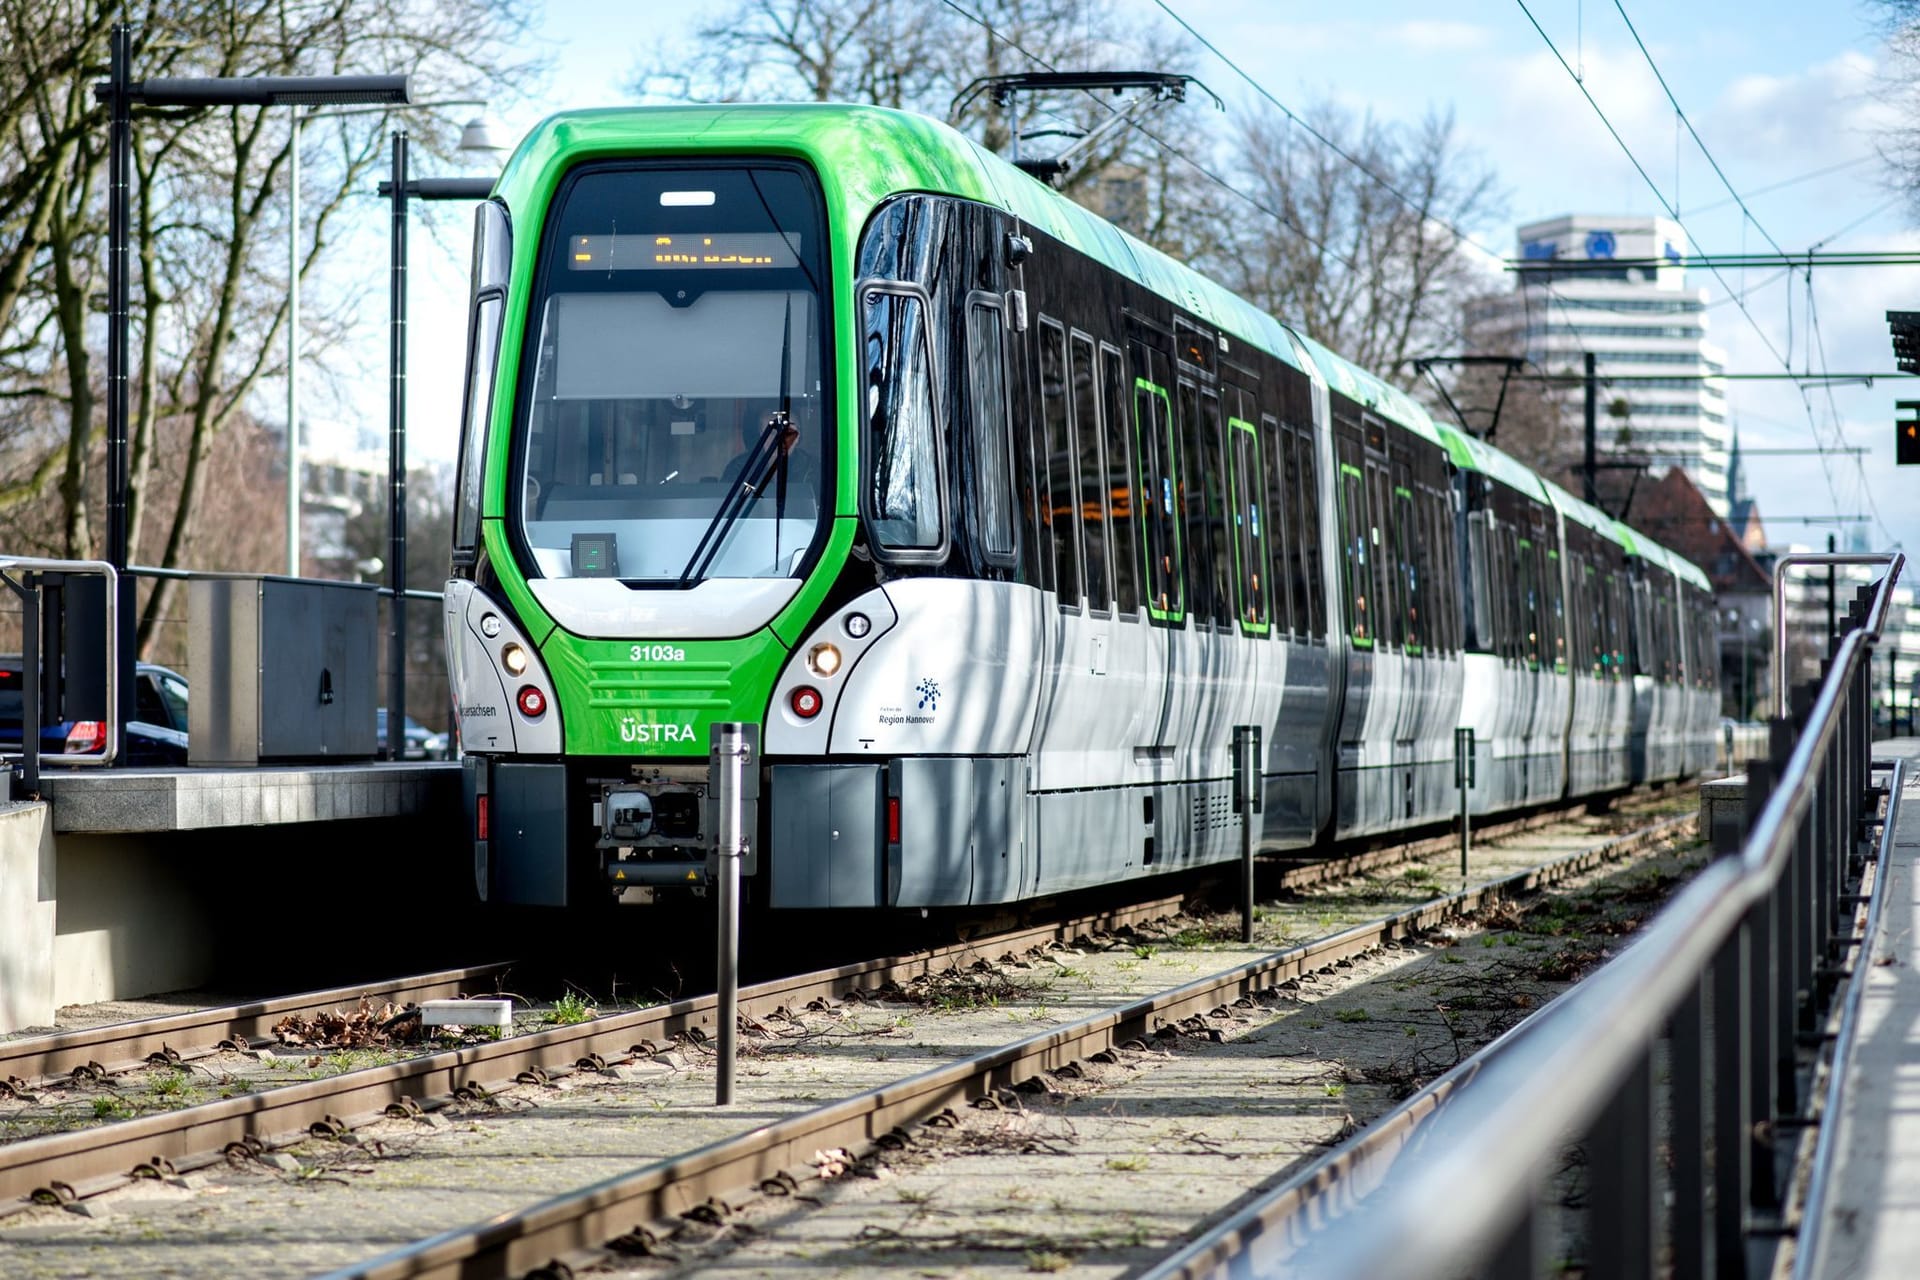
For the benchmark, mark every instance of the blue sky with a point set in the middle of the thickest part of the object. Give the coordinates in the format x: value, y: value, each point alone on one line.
x: 1777, y: 90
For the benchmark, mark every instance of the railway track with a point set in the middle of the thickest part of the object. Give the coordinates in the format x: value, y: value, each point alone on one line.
x: 567, y: 1231
x: 37, y: 1062
x: 63, y: 1167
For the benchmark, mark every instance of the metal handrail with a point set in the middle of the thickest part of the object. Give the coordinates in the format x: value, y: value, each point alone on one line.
x: 30, y: 749
x: 1463, y: 1196
x: 187, y: 575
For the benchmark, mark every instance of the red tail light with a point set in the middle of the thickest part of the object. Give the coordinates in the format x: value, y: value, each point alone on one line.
x: 531, y: 701
x: 480, y: 819
x: 86, y: 735
x: 805, y: 702
x: 893, y: 819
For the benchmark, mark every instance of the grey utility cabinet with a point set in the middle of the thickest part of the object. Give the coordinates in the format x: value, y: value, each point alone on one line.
x: 283, y: 669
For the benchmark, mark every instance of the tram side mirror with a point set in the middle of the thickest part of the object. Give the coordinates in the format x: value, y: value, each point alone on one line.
x: 1018, y: 249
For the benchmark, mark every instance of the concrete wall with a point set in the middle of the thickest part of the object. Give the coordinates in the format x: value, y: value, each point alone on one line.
x: 27, y: 969
x: 135, y: 918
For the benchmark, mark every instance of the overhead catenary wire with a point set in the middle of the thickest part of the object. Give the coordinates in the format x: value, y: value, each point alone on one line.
x: 1607, y: 123
x: 1294, y: 119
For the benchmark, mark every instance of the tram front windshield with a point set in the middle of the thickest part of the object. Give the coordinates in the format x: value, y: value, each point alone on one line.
x: 673, y: 422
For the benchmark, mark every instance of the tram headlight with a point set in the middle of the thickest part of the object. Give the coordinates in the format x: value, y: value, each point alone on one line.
x: 857, y: 625
x: 824, y: 659
x: 490, y: 625
x: 514, y: 659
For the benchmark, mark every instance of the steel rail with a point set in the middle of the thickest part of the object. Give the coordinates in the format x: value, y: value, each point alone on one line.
x: 1584, y: 1059
x: 35, y: 1062
x: 573, y: 1226
x: 64, y: 1166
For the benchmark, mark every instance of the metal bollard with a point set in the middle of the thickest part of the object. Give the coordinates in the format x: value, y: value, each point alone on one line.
x: 1463, y: 778
x: 1246, y: 803
x: 730, y: 756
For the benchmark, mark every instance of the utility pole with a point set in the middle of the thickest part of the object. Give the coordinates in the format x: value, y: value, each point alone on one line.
x: 1592, y: 490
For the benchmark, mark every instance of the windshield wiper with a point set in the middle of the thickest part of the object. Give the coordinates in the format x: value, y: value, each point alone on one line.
x: 769, y: 451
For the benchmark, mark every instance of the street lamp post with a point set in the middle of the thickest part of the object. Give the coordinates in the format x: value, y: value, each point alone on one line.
x: 399, y: 189
x: 121, y: 93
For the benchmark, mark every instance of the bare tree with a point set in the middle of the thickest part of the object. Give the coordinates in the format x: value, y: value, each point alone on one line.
x: 1367, y: 258
x: 210, y: 208
x: 920, y: 56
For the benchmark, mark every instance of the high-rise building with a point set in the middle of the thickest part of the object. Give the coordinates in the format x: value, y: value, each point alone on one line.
x: 1590, y: 286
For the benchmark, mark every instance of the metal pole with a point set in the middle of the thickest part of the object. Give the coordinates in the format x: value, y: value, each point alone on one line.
x: 730, y: 752
x: 119, y: 309
x: 1463, y: 778
x: 397, y: 464
x: 293, y: 354
x: 1246, y: 803
x: 1832, y: 629
x: 30, y: 684
x: 1591, y: 490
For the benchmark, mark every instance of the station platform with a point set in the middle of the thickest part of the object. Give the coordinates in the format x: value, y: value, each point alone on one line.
x: 126, y: 801
x: 1870, y: 1224
x: 119, y: 883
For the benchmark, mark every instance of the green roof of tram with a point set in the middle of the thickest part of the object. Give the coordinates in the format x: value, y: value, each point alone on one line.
x: 863, y: 155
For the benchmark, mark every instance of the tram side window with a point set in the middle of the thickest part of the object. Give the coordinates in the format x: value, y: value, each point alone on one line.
x: 1286, y: 600
x: 483, y: 345
x: 1302, y: 501
x: 1092, y: 505
x: 1386, y: 566
x: 1481, y: 598
x: 492, y: 252
x: 1556, y: 612
x: 1355, y: 552
x: 1307, y: 547
x: 1062, y: 509
x: 1413, y: 615
x: 905, y: 498
x: 1119, y: 486
x: 1157, y: 489
x: 1194, y: 483
x: 1248, y: 527
x: 1529, y: 602
x: 1219, y: 534
x: 993, y: 492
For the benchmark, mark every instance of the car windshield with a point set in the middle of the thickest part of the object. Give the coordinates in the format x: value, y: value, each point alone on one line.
x: 678, y: 320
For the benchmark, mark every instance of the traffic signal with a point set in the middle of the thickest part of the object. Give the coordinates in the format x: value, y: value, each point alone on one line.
x: 1906, y: 435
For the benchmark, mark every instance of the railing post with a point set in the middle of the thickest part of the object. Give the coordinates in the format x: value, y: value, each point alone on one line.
x: 1732, y: 1111
x: 1518, y: 1257
x: 1620, y: 1172
x: 1687, y: 1112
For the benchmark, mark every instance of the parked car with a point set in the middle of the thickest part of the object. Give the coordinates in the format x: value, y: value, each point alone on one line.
x: 157, y: 734
x: 421, y: 742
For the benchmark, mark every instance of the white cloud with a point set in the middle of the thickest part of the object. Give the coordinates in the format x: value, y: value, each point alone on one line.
x: 1827, y: 112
